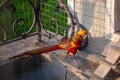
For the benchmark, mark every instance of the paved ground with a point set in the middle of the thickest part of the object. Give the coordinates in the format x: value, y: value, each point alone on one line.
x: 64, y: 70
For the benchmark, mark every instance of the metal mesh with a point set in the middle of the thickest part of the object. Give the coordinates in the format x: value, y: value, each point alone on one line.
x: 19, y: 11
x: 52, y: 19
x: 17, y: 17
x: 96, y: 15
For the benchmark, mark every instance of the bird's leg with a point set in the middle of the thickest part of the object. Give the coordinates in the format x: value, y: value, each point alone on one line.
x: 75, y: 62
x: 73, y: 58
x: 66, y: 56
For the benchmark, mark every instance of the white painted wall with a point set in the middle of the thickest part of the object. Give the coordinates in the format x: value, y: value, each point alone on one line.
x: 117, y: 15
x: 71, y: 7
x: 98, y: 17
x: 109, y: 18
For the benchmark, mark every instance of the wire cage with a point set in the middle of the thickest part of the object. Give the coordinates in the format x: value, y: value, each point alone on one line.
x: 92, y: 13
x: 20, y: 18
x: 54, y: 19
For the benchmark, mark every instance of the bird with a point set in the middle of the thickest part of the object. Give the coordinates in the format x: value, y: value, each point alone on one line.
x: 71, y: 46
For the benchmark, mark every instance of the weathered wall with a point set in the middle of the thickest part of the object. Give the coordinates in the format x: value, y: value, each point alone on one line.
x: 98, y: 17
x: 117, y: 15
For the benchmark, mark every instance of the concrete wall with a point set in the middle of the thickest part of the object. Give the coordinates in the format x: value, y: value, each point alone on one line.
x: 98, y: 17
x: 117, y: 15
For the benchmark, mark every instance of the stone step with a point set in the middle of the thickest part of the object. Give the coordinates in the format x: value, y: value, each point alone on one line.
x: 116, y: 37
x: 21, y: 46
x: 112, y: 53
x: 104, y: 66
x: 83, y: 75
x: 76, y: 71
x: 102, y: 70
